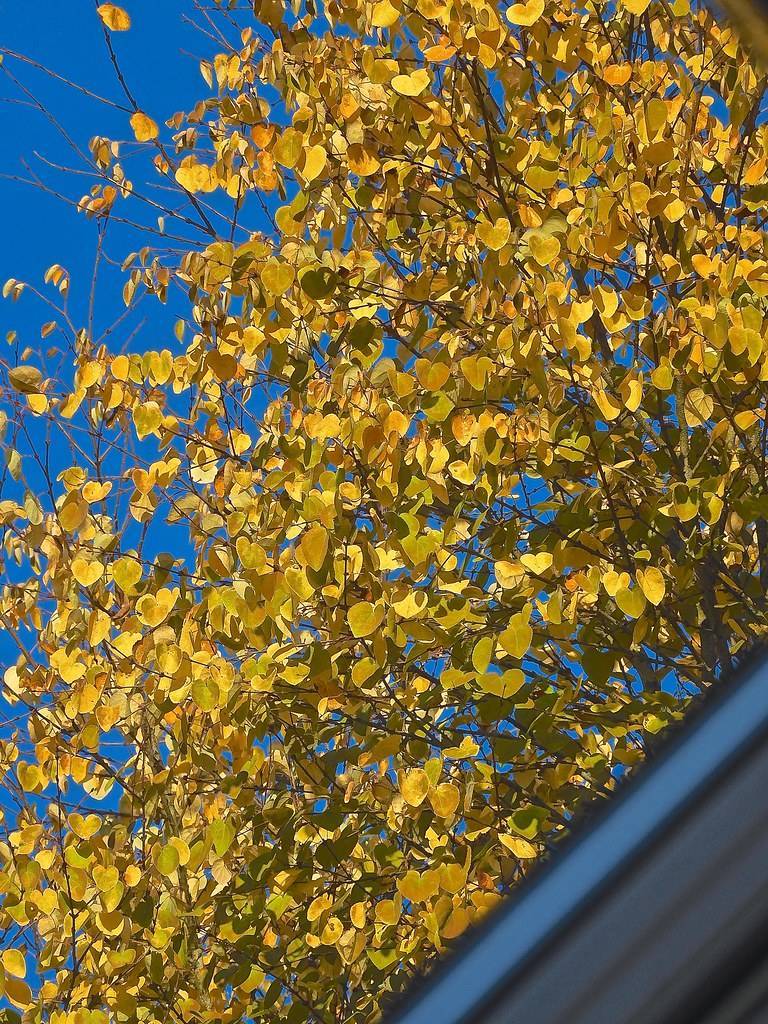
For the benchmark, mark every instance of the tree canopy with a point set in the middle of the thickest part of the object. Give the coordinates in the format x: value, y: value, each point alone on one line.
x: 447, y: 494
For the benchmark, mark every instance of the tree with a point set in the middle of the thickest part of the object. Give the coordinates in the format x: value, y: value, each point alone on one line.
x: 448, y: 493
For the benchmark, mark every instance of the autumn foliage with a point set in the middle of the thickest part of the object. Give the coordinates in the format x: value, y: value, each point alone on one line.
x: 448, y: 492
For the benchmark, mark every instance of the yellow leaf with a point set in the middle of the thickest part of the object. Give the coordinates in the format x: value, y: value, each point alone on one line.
x: 675, y: 210
x: 527, y: 13
x: 631, y: 602
x: 414, y: 786
x: 412, y: 605
x: 250, y: 553
x: 508, y: 574
x: 365, y: 618
x: 656, y: 112
x: 114, y: 17
x: 183, y: 849
x: 195, y: 177
x: 444, y: 799
x: 318, y: 906
x: 125, y: 643
x: 419, y: 887
x: 384, y: 15
x: 698, y: 407
x: 475, y: 370
x: 26, y: 379
x: 636, y: 7
x: 120, y: 367
x: 617, y: 74
x: 517, y: 637
x: 662, y: 377
x: 126, y: 572
x: 361, y: 161
x: 332, y: 932
x: 494, y: 236
x: 431, y: 375
x: 37, y: 403
x: 607, y: 301
x: 93, y: 491
x: 537, y: 564
x: 458, y: 922
x: 288, y: 148
x: 607, y: 405
x: 148, y: 418
x: 439, y: 53
x: 639, y: 194
x: 277, y: 277
x: 85, y: 571
x: 357, y: 914
x: 46, y: 901
x: 482, y: 653
x: 462, y: 472
x: 106, y: 878
x: 14, y: 962
x: 613, y: 581
x: 652, y: 583
x: 144, y: 128
x: 411, y: 85
x: 110, y: 901
x: 745, y: 419
x: 745, y: 338
x: 73, y: 513
x: 505, y: 685
x: 520, y: 847
x: 30, y: 776
x: 453, y: 877
x: 315, y: 159
x: 153, y: 609
x: 84, y: 827
x: 631, y: 391
x: 314, y: 547
x: 223, y: 365
x: 544, y: 248
x: 387, y: 912
x: 18, y: 992
x: 704, y: 265
x: 133, y: 875
x: 168, y: 860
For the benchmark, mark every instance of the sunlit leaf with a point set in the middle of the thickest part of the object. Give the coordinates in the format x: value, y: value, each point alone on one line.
x: 365, y: 618
x: 115, y: 18
x: 414, y: 786
x: 526, y: 13
x: 144, y: 128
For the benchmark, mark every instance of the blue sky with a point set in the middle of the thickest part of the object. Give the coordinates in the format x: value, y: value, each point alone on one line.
x: 40, y: 229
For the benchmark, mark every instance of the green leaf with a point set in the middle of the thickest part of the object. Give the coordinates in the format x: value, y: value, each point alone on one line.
x: 319, y: 283
x: 222, y: 835
x: 168, y: 860
x: 205, y: 693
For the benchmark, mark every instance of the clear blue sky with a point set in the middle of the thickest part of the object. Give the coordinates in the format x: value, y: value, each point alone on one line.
x: 39, y: 229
